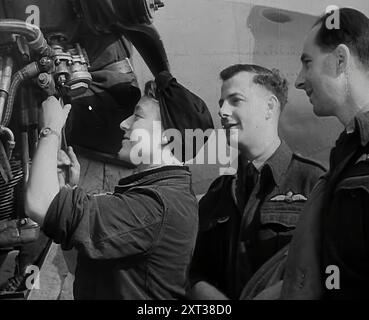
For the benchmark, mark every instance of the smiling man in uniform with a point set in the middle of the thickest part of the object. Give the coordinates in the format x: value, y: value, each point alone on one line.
x: 247, y: 218
x: 334, y: 231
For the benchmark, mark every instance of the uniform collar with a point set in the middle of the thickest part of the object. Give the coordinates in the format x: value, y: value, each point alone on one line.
x: 348, y: 143
x: 362, y: 127
x: 278, y: 162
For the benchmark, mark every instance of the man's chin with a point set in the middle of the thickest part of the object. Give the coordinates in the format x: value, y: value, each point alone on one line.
x: 319, y: 111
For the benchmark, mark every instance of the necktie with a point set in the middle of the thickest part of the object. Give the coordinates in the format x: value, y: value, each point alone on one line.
x: 251, y: 176
x: 246, y: 184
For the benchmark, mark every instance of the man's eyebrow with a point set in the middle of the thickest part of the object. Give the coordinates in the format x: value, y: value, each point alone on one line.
x: 235, y: 94
x: 230, y: 96
x: 304, y: 56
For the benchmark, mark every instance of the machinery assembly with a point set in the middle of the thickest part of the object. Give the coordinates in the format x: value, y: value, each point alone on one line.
x: 51, y: 59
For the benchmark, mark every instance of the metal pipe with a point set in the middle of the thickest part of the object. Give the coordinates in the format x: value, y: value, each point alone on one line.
x: 23, y: 28
x: 6, y: 70
x: 24, y: 123
x: 3, y: 98
x: 31, y: 32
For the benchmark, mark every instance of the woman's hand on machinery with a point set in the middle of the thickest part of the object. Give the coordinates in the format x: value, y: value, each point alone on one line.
x: 54, y: 115
x: 68, y: 168
x: 74, y: 169
x: 63, y: 167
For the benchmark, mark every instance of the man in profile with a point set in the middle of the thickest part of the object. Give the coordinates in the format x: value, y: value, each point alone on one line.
x: 333, y: 233
x: 247, y: 218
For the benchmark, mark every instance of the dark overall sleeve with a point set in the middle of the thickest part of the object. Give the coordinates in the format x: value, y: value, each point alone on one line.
x: 202, y: 266
x: 105, y: 226
x: 207, y: 259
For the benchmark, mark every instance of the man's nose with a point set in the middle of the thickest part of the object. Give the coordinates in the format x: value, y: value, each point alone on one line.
x: 300, y: 81
x: 225, y: 110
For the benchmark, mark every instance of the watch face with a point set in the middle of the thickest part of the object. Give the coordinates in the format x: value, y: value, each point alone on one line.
x: 46, y: 131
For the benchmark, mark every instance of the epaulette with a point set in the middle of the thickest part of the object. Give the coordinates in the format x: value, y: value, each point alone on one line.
x: 309, y: 161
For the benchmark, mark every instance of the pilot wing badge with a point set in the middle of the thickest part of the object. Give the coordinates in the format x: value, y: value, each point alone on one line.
x: 289, y: 197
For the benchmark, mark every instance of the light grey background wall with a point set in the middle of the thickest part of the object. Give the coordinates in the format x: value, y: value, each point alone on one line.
x: 204, y: 36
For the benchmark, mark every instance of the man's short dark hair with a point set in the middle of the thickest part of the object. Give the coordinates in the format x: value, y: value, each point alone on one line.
x: 353, y: 31
x: 270, y: 79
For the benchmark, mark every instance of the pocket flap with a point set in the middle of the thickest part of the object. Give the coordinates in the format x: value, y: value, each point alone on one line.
x: 286, y: 214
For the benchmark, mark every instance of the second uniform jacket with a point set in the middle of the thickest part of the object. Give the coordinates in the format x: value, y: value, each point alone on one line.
x: 236, y: 239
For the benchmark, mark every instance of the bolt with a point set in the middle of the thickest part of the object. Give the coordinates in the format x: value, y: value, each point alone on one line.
x: 62, y: 79
x: 44, y: 61
x: 43, y: 79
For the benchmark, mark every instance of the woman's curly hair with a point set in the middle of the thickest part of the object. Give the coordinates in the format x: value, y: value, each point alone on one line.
x: 150, y: 89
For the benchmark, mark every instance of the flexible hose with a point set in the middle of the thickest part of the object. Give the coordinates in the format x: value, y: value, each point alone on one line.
x: 16, y: 81
x: 27, y: 72
x: 10, y: 140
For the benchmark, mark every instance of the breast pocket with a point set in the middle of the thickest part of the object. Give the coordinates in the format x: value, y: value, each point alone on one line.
x: 278, y: 221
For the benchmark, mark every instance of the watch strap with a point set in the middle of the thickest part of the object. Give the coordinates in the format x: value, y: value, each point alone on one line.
x: 47, y: 131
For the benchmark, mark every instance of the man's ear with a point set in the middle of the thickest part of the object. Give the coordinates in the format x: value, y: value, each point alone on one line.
x: 273, y: 104
x: 343, y: 55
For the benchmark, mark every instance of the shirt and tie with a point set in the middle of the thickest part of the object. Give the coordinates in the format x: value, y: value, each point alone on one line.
x: 246, y: 218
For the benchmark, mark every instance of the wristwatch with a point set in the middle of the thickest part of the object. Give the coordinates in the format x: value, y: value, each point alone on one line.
x: 47, y: 132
